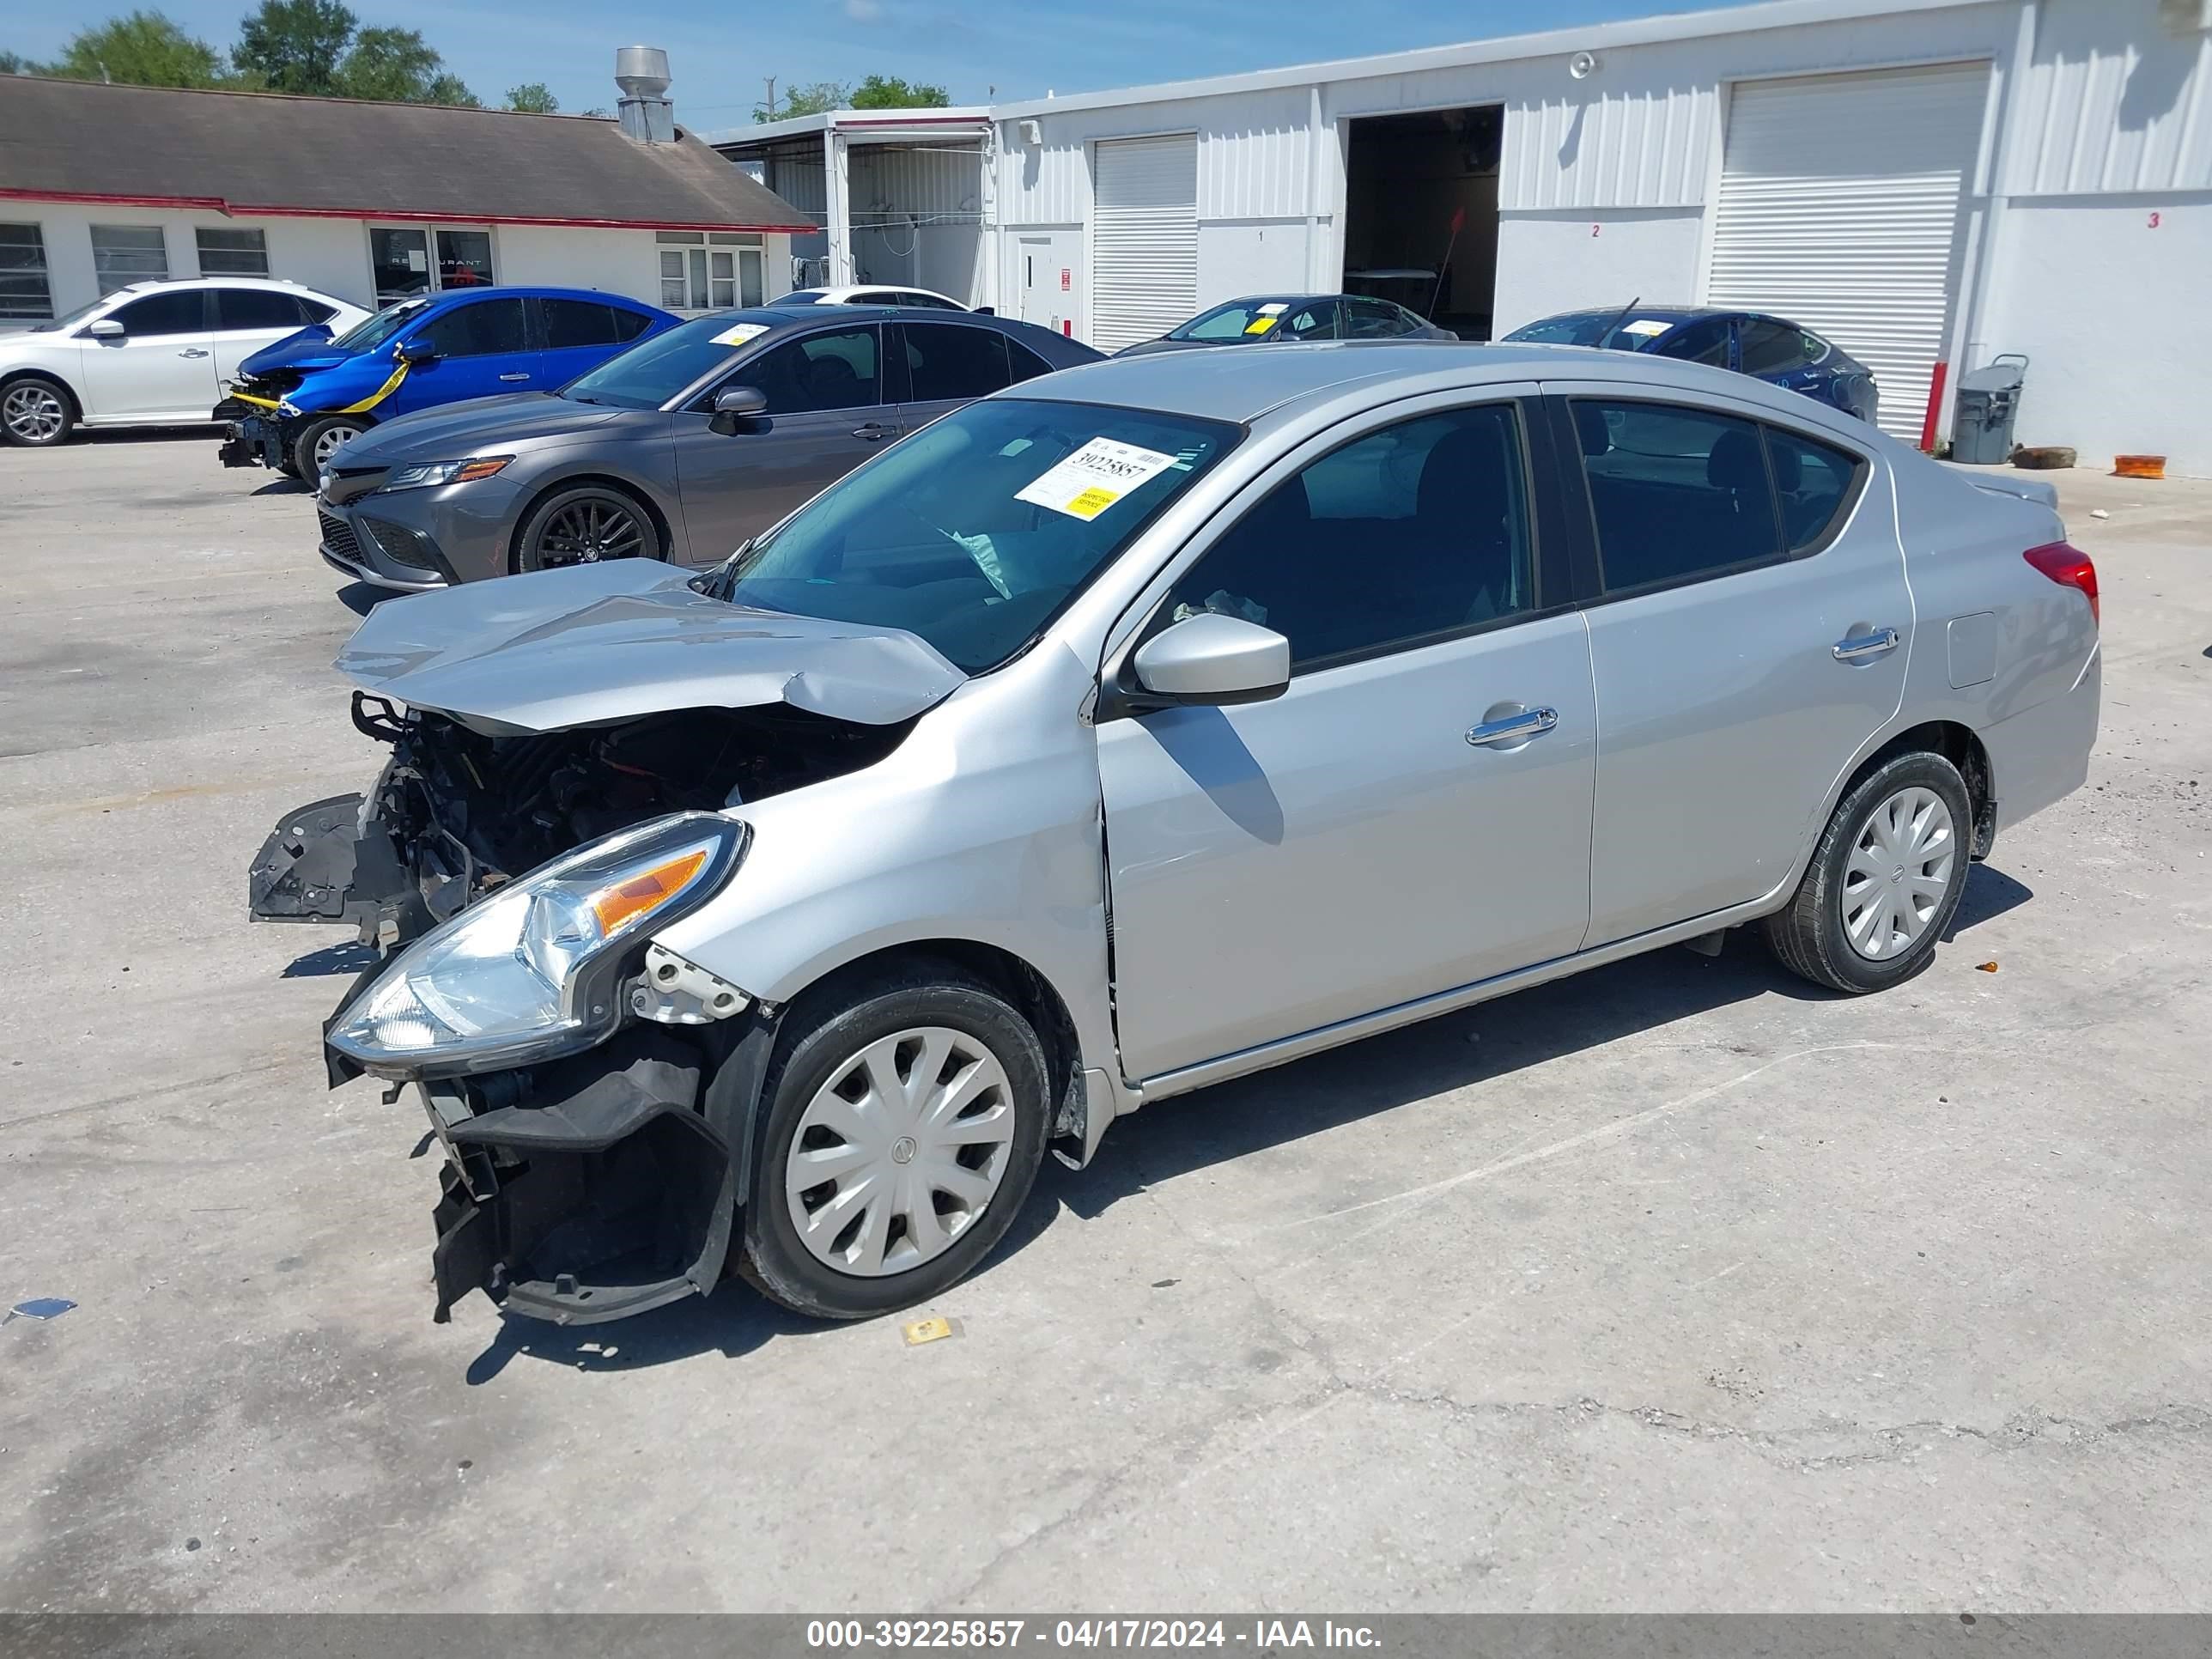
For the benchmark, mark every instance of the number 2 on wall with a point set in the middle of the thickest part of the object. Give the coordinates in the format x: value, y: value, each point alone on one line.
x: 1596, y: 229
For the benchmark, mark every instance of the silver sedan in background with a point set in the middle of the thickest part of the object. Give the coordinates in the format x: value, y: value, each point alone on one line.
x: 1143, y: 726
x: 678, y: 449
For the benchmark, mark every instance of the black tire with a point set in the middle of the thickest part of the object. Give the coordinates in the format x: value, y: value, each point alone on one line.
x: 309, y: 437
x: 1809, y: 936
x: 550, y: 521
x: 820, y: 1040
x: 28, y: 407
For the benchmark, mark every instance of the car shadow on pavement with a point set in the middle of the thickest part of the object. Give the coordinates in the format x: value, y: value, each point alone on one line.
x: 1326, y: 1091
x: 361, y: 599
x: 284, y: 487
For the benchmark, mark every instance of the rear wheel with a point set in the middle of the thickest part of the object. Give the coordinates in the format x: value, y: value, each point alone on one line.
x: 1885, y: 880
x: 905, y: 1119
x: 317, y: 441
x: 34, y: 414
x: 585, y: 523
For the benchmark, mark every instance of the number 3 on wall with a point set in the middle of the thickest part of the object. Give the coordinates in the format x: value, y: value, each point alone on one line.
x: 2153, y: 221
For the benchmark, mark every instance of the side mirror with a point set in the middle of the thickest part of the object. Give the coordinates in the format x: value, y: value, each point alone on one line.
x: 416, y: 352
x: 735, y: 404
x: 106, y: 328
x: 1212, y: 660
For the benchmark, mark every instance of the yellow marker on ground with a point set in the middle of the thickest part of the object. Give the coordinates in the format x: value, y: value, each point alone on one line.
x: 920, y: 1331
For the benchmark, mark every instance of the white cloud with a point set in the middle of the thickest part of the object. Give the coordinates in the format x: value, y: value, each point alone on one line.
x: 864, y: 11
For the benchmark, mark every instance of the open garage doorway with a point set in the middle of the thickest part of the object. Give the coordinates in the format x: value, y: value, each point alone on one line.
x: 1420, y: 217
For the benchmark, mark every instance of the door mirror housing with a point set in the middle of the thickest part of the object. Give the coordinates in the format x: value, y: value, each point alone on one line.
x: 1211, y: 660
x: 415, y: 352
x: 106, y: 328
x: 736, y: 404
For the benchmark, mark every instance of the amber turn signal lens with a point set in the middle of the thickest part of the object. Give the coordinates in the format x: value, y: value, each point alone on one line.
x: 482, y: 469
x: 617, y: 905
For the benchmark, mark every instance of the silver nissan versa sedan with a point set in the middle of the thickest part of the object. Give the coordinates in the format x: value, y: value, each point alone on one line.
x: 1144, y: 725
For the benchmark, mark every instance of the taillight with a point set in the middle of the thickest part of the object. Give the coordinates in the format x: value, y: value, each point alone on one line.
x: 2068, y: 567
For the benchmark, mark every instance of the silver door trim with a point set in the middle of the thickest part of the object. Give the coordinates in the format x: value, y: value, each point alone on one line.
x: 1514, y: 728
x: 1860, y: 647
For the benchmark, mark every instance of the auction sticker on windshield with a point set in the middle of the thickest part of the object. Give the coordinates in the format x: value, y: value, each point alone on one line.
x: 1646, y: 327
x: 1093, y: 477
x: 739, y: 333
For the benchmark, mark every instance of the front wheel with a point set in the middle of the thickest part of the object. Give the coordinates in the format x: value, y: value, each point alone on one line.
x: 34, y: 414
x: 1884, y: 882
x: 905, y: 1119
x: 318, y: 440
x: 584, y: 524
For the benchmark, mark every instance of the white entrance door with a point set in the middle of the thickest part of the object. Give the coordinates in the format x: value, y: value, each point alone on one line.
x: 1143, y: 239
x: 1840, y: 210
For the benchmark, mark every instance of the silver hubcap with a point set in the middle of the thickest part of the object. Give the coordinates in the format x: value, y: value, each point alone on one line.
x: 590, y: 529
x: 33, y: 413
x: 899, y: 1153
x: 1898, y: 874
x: 327, y: 445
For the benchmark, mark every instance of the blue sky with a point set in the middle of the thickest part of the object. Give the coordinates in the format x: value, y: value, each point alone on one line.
x: 720, y: 50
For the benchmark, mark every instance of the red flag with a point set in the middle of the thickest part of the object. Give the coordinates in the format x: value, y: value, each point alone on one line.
x: 1459, y: 220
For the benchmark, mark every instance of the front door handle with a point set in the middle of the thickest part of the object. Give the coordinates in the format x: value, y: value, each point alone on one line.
x: 871, y: 432
x: 191, y: 351
x: 514, y: 377
x: 1514, y: 728
x: 1859, y: 646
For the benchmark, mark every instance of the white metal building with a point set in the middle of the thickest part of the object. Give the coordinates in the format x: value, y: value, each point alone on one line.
x: 1928, y: 182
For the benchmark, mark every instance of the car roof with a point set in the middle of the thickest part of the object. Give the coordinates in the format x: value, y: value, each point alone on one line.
x: 149, y: 284
x: 1654, y: 313
x: 512, y: 290
x: 1244, y: 386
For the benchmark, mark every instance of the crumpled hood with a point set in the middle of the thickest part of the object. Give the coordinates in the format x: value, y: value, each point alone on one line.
x: 594, y: 643
x: 308, y: 351
x: 449, y: 431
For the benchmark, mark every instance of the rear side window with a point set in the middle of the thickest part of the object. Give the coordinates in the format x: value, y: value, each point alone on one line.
x: 1812, y: 485
x: 1025, y: 364
x: 582, y: 323
x: 486, y: 328
x: 948, y: 361
x: 1705, y: 342
x: 1409, y: 534
x: 1372, y: 320
x: 1675, y: 493
x: 255, y: 307
x: 1771, y: 348
x: 315, y: 311
x: 628, y: 324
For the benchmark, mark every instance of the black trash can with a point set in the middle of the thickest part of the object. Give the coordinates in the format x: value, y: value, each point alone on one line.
x: 1989, y: 404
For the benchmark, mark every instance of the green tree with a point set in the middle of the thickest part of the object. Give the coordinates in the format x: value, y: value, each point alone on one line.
x: 397, y: 66
x: 533, y: 97
x: 144, y: 49
x: 295, y: 46
x: 811, y: 99
x: 890, y: 92
x: 16, y: 64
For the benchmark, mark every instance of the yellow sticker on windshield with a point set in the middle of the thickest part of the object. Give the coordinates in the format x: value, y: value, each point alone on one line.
x: 739, y: 333
x: 1091, y: 502
x: 1093, y: 477
x: 1259, y: 325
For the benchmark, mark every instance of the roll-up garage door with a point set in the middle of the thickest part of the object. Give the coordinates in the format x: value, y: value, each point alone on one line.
x: 1143, y: 239
x: 1839, y: 209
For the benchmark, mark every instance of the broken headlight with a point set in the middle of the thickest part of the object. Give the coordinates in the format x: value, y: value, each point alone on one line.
x: 529, y: 971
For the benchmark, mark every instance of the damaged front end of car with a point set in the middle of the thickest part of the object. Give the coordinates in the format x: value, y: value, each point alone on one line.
x: 569, y: 758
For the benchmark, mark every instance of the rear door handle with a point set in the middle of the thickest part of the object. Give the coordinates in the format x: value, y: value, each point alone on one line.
x: 1514, y: 728
x: 514, y: 377
x: 1859, y: 646
x: 191, y: 351
x: 872, y: 431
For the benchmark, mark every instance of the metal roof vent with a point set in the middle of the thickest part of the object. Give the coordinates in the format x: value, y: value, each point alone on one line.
x: 647, y: 115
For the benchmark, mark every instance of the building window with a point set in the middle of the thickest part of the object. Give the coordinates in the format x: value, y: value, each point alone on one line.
x: 710, y: 270
x: 122, y: 254
x: 227, y: 252
x: 402, y: 263
x: 24, y: 294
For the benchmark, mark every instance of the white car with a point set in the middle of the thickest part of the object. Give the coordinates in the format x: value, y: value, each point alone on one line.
x: 870, y: 293
x: 150, y: 353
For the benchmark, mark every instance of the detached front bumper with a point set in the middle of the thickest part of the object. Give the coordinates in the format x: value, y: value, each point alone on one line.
x: 250, y: 439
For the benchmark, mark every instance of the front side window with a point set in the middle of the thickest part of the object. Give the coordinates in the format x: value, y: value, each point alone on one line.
x: 1411, y: 533
x: 482, y: 329
x: 822, y: 372
x: 122, y: 254
x: 977, y: 531
x: 257, y: 309
x: 25, y: 294
x: 1675, y: 493
x: 226, y: 251
x: 1772, y: 347
x: 179, y: 311
x: 1703, y: 341
x: 947, y: 361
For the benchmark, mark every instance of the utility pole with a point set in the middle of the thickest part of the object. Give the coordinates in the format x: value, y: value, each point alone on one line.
x: 771, y: 96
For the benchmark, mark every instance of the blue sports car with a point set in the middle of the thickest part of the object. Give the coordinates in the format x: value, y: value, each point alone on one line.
x: 295, y: 402
x: 1751, y: 343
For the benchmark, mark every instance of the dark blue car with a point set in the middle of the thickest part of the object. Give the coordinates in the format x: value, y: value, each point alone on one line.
x: 293, y: 403
x: 1751, y: 343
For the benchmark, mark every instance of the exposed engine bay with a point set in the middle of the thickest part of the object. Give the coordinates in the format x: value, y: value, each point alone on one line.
x: 457, y: 812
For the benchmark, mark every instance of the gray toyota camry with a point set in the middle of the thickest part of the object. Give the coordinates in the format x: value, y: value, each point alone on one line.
x: 1147, y: 726
x: 679, y: 449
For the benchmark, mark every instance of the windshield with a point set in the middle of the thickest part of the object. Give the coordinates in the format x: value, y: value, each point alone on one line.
x: 976, y: 530
x: 1629, y: 333
x: 69, y: 317
x: 1238, y: 319
x: 367, y: 337
x: 653, y: 371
